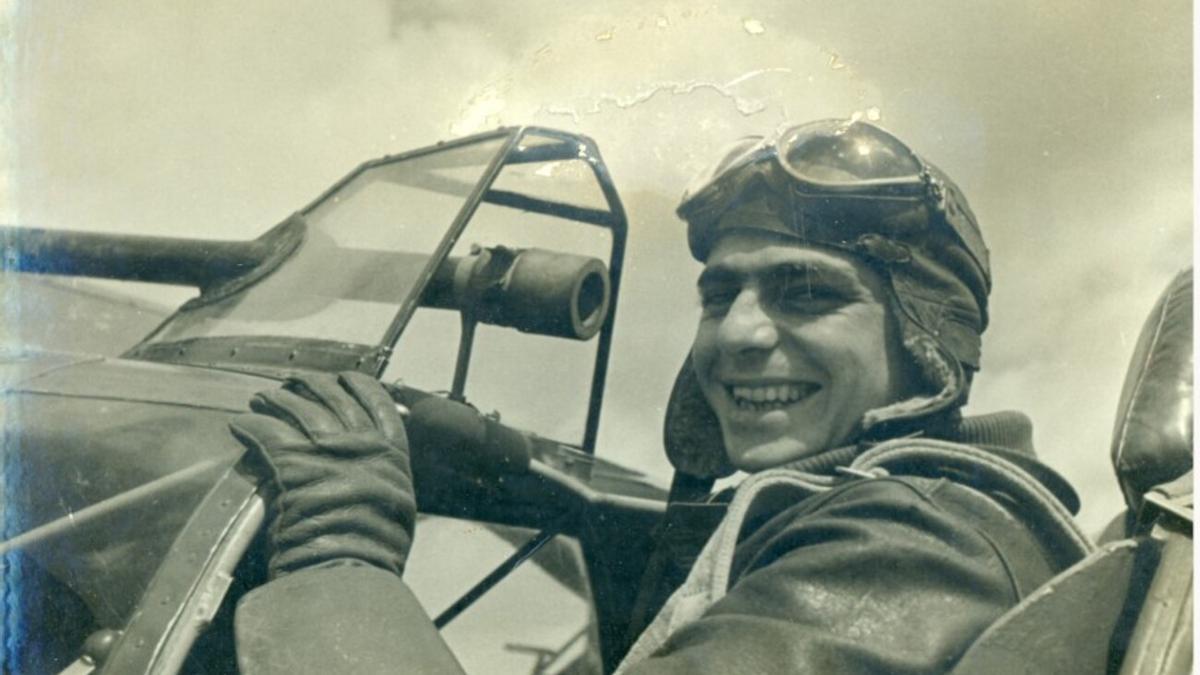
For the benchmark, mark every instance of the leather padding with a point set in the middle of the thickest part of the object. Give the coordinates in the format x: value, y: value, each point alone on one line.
x: 1152, y: 440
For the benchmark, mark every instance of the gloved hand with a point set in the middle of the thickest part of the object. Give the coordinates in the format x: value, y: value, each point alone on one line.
x: 337, y: 453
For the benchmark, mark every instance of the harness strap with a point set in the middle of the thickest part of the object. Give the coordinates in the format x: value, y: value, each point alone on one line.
x: 708, y: 580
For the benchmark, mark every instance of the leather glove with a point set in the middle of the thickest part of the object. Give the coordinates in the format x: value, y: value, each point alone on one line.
x: 335, y: 448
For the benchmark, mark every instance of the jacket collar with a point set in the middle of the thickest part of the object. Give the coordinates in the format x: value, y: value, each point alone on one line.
x: 1008, y: 434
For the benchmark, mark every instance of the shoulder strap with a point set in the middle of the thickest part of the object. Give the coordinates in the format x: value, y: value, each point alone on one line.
x: 989, y: 473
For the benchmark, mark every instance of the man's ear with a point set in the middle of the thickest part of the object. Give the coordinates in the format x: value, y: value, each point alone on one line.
x: 691, y: 432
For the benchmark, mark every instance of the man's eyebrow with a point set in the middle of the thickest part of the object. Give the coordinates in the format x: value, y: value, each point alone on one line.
x: 718, y: 275
x: 808, y: 270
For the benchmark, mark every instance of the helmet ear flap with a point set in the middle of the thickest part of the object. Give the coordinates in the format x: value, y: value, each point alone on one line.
x: 946, y: 383
x: 691, y: 432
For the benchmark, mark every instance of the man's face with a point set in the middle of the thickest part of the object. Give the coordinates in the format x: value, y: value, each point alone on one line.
x: 794, y: 345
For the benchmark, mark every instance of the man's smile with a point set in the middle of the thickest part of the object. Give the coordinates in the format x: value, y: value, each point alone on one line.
x: 764, y: 397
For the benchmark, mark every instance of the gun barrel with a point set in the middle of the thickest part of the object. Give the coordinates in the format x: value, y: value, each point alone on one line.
x: 164, y: 260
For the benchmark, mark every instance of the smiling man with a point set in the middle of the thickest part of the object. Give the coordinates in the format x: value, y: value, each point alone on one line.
x: 844, y: 295
x: 795, y: 345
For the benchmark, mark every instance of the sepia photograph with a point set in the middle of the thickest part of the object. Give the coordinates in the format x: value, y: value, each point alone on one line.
x: 585, y: 338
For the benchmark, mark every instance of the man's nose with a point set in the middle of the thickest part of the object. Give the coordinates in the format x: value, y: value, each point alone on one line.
x: 747, y: 327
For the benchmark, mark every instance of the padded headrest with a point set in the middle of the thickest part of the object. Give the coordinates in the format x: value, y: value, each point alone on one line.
x: 1152, y: 441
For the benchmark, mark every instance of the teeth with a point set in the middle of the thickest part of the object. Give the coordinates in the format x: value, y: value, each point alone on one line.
x: 772, y: 395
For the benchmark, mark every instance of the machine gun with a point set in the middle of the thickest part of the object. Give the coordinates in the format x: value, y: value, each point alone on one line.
x: 132, y: 518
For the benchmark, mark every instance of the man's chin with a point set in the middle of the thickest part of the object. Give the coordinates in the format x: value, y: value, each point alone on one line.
x: 760, y: 456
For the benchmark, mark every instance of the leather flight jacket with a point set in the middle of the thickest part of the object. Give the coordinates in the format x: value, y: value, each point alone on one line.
x: 892, y: 562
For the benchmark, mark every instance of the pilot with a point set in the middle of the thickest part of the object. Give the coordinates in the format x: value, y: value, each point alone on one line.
x: 844, y: 295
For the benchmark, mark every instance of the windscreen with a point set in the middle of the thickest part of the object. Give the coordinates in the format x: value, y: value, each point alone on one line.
x: 534, y: 382
x: 364, y: 247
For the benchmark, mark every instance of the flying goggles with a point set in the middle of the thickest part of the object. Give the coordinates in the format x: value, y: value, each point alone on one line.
x: 829, y: 182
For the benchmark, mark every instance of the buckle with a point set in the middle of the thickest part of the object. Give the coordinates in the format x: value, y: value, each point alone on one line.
x: 877, y: 472
x: 883, y: 249
x: 1158, y: 507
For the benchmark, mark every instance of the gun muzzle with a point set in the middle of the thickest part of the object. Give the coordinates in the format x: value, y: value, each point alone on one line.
x: 533, y: 290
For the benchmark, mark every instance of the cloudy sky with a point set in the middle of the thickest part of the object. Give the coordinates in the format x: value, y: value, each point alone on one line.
x: 1068, y: 124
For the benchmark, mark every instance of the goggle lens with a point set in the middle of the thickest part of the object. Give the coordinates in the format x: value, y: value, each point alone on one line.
x: 849, y: 154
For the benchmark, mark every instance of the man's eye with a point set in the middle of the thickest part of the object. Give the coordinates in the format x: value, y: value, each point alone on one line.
x: 810, y: 299
x: 714, y: 301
